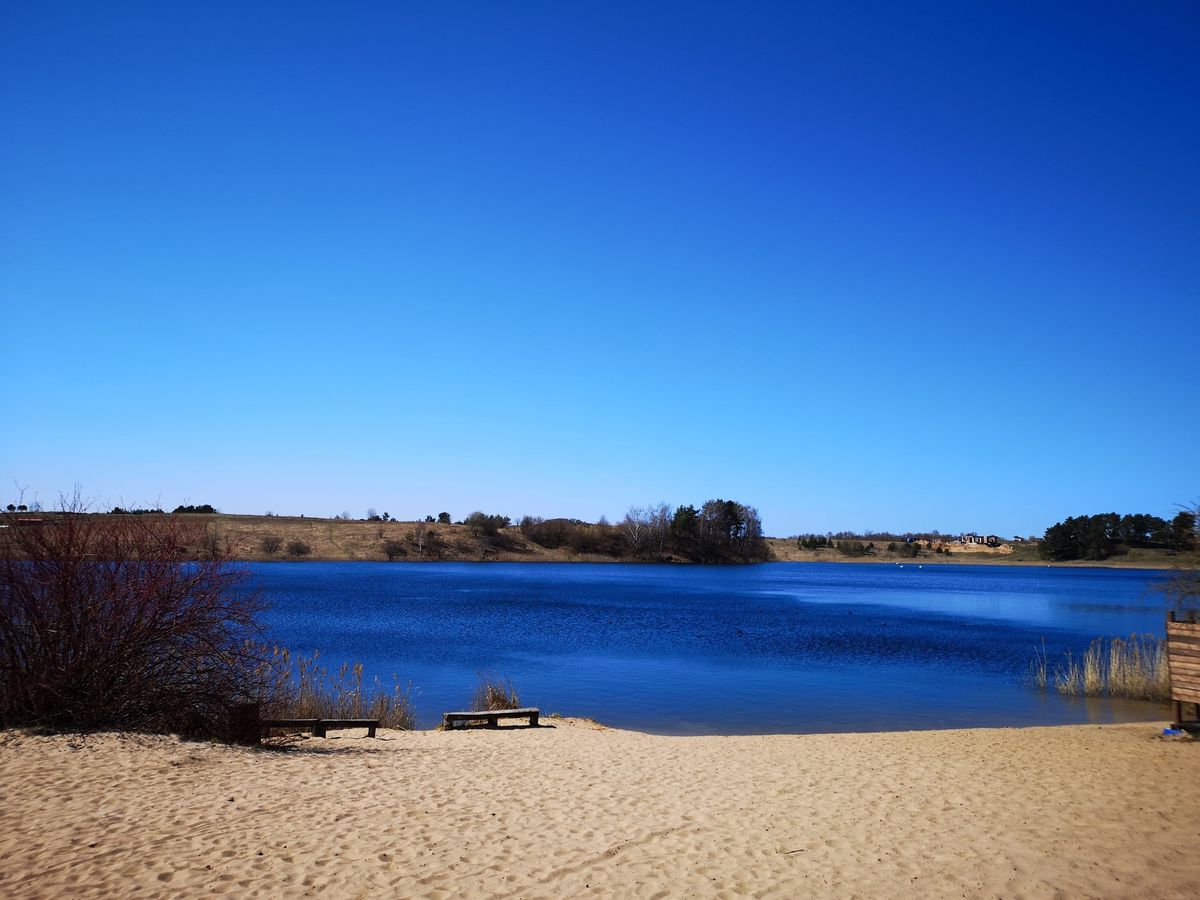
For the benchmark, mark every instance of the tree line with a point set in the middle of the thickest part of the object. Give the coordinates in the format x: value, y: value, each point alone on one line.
x: 716, y: 531
x: 1103, y: 535
x: 848, y: 543
x: 205, y: 509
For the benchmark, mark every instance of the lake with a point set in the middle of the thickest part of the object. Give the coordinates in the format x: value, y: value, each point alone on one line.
x: 779, y: 647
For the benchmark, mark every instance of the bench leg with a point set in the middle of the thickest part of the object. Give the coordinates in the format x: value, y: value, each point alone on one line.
x: 533, y: 720
x: 370, y: 731
x: 493, y: 721
x: 319, y: 729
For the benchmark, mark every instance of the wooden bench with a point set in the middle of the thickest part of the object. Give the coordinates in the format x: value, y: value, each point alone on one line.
x: 246, y: 724
x: 319, y: 727
x: 491, y: 716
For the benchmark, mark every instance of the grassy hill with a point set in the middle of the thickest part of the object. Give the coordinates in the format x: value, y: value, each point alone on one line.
x: 250, y: 537
x: 536, y: 540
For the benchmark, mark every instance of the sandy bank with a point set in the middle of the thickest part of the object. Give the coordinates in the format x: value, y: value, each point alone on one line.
x: 575, y: 810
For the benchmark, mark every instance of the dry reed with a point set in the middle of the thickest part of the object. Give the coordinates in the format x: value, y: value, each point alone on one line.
x: 493, y: 692
x: 1135, y: 668
x: 298, y: 687
x: 1038, y: 668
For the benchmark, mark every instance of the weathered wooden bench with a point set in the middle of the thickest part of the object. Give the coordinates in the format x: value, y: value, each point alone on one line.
x: 246, y: 724
x: 319, y: 727
x: 491, y: 716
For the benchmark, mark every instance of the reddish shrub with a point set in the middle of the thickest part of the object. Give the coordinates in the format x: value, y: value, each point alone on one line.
x: 107, y: 622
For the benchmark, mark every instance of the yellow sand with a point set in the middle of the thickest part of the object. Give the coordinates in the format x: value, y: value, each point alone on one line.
x: 576, y: 810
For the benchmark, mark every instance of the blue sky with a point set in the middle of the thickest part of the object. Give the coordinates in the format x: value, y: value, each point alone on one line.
x: 902, y: 266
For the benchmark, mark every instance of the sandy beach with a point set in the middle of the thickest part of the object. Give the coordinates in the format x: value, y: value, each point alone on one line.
x: 580, y: 810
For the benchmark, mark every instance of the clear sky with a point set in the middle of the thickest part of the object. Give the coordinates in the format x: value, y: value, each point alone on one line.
x: 888, y: 266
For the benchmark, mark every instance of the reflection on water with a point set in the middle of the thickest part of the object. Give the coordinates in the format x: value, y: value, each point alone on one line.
x: 696, y: 649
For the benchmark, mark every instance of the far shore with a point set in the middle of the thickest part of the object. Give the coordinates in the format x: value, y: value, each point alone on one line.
x: 574, y: 809
x: 785, y: 550
x: 353, y: 540
x: 839, y: 560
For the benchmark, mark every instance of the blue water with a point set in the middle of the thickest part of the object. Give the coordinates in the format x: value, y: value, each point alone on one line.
x: 734, y: 649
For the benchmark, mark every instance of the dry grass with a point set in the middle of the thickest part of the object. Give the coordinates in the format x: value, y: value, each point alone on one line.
x: 494, y: 692
x: 1135, y: 668
x: 301, y: 688
x: 335, y: 539
x: 1038, y: 668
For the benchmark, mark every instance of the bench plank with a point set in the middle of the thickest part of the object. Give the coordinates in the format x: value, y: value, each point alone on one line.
x: 325, y: 724
x: 319, y: 727
x: 502, y: 713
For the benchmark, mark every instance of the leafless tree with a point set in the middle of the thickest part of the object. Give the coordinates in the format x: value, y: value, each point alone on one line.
x: 660, y: 527
x: 419, y: 537
x: 637, y: 527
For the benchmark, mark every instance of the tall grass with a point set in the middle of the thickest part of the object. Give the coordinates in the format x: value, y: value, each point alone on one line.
x: 1138, y: 668
x: 493, y: 692
x: 300, y: 688
x: 1038, y: 667
x: 1135, y: 668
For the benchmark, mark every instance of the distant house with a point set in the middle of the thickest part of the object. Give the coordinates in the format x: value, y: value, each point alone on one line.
x: 971, y: 537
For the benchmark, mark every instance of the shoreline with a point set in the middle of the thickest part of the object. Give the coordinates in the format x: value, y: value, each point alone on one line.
x: 1022, y: 563
x: 579, y: 809
x: 546, y: 560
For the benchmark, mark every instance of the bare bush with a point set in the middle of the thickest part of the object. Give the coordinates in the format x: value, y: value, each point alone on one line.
x: 271, y: 543
x: 213, y: 546
x: 393, y: 550
x: 298, y: 548
x: 104, y: 623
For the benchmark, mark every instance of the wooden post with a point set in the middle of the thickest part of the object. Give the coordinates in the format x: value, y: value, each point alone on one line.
x: 1183, y: 664
x: 319, y: 728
